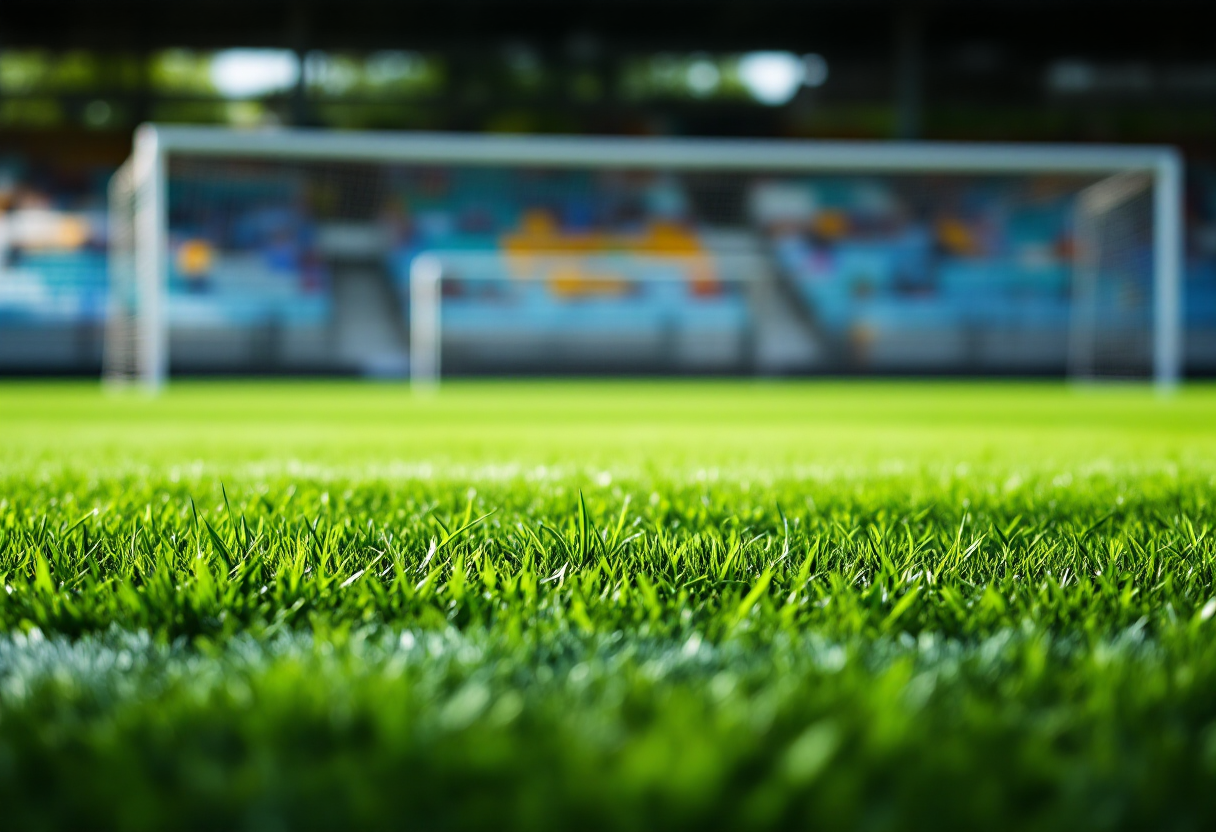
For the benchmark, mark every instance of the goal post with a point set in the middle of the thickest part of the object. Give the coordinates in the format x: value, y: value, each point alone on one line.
x: 1168, y: 259
x: 136, y: 335
x: 138, y: 343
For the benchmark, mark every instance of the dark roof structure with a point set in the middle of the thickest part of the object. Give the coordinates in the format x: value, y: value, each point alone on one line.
x: 1052, y: 69
x: 1097, y: 29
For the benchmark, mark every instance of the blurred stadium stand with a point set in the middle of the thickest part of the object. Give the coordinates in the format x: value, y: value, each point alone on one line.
x: 883, y: 286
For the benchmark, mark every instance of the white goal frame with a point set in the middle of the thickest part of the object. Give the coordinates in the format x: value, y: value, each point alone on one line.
x: 148, y: 170
x: 429, y: 268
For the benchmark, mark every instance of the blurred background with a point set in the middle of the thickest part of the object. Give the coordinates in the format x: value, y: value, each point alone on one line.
x: 305, y: 268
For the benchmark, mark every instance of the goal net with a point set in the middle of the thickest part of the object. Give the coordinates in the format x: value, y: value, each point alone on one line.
x: 430, y: 254
x: 121, y: 351
x: 1112, y: 320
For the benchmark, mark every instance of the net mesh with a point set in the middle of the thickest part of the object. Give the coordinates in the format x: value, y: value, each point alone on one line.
x: 1112, y: 321
x: 120, y: 349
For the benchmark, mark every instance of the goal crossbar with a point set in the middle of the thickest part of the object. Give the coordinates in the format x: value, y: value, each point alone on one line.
x: 155, y: 143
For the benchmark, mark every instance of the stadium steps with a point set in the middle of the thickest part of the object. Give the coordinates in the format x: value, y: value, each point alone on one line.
x: 789, y: 339
x: 370, y: 333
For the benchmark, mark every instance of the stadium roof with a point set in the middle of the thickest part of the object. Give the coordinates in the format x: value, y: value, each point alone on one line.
x: 1092, y: 28
x: 1009, y: 69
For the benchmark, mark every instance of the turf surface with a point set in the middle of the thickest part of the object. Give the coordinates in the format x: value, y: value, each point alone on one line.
x: 607, y: 605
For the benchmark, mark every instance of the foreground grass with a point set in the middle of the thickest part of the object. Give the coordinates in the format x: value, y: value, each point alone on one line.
x: 607, y: 606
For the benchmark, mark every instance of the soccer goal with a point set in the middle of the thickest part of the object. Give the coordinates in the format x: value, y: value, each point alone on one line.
x: 431, y: 254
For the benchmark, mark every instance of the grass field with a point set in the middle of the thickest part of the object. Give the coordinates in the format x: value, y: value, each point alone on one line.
x: 611, y: 605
